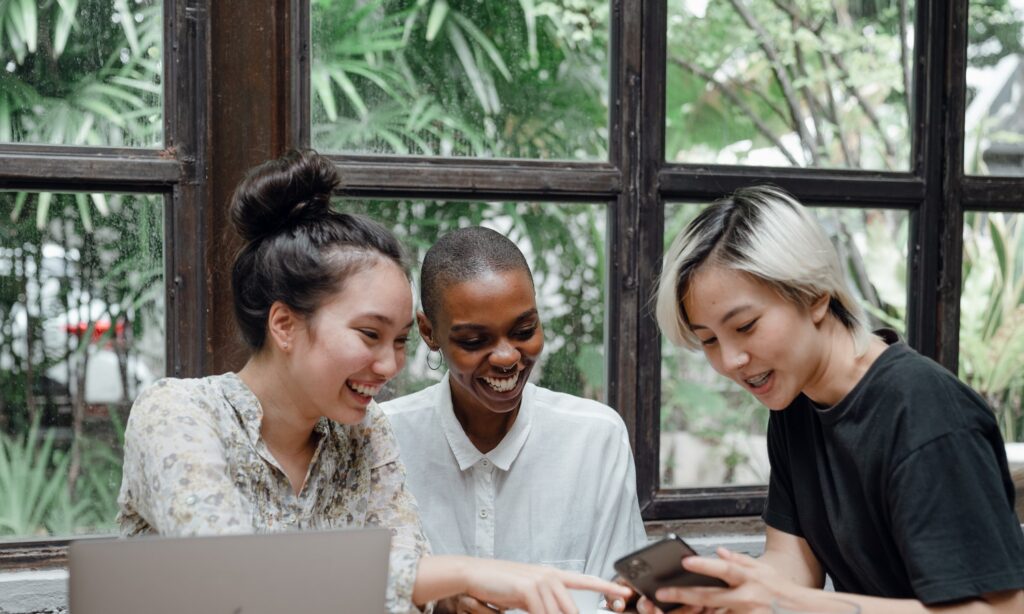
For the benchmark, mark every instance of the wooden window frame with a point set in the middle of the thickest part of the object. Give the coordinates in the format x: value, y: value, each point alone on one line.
x: 228, y: 107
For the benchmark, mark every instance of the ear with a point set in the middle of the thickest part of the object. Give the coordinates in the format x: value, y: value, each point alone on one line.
x: 426, y: 330
x: 819, y: 308
x: 282, y: 325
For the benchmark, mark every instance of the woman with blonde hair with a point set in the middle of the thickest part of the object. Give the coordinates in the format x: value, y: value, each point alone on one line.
x: 888, y: 474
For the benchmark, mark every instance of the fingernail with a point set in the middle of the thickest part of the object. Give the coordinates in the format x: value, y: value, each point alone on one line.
x: 618, y: 604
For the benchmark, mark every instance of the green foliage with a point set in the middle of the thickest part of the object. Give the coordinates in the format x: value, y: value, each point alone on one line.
x: 992, y: 315
x: 461, y: 77
x: 35, y: 494
x: 74, y: 79
x: 804, y: 83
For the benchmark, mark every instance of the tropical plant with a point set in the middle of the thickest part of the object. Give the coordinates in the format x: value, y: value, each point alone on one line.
x: 992, y: 315
x: 460, y: 77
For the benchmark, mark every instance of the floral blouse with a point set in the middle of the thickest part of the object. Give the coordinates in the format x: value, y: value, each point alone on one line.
x: 195, y: 464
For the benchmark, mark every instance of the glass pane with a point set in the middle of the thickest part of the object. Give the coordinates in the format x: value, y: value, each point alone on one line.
x: 81, y: 333
x: 461, y: 78
x: 994, y: 120
x: 713, y: 431
x: 82, y: 73
x: 564, y: 244
x: 815, y: 84
x: 992, y: 316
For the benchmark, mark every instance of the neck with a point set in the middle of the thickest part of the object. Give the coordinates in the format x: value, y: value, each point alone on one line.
x: 484, y: 427
x: 284, y: 428
x: 839, y: 367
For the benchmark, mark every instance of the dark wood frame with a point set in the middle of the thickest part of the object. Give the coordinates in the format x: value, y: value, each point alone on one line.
x: 237, y: 92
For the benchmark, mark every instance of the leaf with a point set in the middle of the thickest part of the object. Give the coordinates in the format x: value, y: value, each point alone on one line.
x: 26, y: 18
x: 473, y: 72
x: 66, y: 10
x: 485, y: 43
x: 19, y: 203
x: 346, y: 85
x: 100, y: 201
x: 83, y: 211
x: 43, y: 209
x: 436, y: 19
x: 128, y: 25
x: 322, y: 86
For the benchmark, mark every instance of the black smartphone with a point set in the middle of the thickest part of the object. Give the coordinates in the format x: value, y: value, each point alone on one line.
x: 659, y: 565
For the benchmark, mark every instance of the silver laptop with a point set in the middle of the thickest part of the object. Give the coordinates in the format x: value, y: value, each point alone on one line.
x: 300, y: 572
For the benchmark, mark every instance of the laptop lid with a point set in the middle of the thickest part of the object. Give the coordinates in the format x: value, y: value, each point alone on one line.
x: 299, y: 572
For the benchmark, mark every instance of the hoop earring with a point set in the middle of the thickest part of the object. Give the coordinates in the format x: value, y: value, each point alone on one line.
x: 440, y: 360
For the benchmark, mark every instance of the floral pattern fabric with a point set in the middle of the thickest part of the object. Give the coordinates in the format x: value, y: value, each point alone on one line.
x: 195, y: 464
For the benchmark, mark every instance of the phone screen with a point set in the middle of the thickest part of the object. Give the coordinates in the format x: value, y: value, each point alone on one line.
x: 660, y: 564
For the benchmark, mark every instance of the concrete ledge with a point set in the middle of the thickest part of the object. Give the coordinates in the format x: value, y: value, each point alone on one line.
x: 34, y: 592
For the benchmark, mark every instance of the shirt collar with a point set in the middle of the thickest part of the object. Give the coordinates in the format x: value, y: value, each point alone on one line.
x: 465, y: 452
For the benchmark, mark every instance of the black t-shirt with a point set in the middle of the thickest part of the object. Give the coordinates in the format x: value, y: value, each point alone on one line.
x: 902, y: 489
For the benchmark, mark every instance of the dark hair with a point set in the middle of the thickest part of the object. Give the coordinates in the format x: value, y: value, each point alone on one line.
x: 297, y: 248
x: 464, y: 254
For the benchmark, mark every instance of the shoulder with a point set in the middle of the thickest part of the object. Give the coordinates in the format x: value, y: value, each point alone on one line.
x: 576, y: 414
x: 921, y: 384
x: 410, y: 413
x: 922, y: 400
x: 175, y: 399
x: 420, y: 401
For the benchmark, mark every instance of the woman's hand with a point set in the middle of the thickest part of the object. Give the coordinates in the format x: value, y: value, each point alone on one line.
x: 463, y: 604
x: 617, y: 603
x: 752, y: 586
x: 538, y: 590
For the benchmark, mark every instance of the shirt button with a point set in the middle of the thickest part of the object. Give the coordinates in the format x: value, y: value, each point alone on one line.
x: 483, y: 513
x: 485, y: 463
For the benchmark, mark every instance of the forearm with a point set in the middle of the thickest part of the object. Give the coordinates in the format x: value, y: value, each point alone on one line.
x: 795, y: 569
x: 994, y: 603
x: 440, y: 576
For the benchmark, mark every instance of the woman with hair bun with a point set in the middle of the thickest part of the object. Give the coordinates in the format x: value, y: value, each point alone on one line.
x: 294, y: 440
x: 888, y: 474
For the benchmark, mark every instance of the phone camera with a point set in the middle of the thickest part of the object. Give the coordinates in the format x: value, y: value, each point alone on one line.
x: 636, y: 568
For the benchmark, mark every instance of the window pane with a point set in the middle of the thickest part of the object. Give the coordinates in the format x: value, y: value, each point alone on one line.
x: 461, y: 78
x: 994, y: 121
x: 712, y: 430
x: 992, y: 316
x: 789, y: 83
x: 82, y: 73
x: 81, y: 332
x: 564, y: 245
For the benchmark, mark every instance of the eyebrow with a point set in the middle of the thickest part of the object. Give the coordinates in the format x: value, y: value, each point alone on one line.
x: 471, y: 326
x: 728, y: 315
x: 385, y: 320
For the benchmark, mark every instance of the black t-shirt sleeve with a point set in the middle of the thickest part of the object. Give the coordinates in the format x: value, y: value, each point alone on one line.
x: 780, y: 509
x: 951, y: 520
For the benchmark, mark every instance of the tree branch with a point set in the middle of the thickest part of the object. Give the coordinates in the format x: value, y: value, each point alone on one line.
x: 739, y: 102
x: 844, y: 77
x: 788, y: 92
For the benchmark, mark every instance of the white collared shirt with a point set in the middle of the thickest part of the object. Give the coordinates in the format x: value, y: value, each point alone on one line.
x: 559, y: 490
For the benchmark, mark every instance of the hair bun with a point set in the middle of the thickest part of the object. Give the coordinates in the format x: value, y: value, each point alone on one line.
x: 283, y: 193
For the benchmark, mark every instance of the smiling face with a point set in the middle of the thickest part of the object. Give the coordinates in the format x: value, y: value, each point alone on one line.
x: 353, y: 344
x: 755, y: 337
x: 489, y: 332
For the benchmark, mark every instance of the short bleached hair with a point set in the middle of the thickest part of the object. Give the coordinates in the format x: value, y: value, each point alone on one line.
x: 764, y: 232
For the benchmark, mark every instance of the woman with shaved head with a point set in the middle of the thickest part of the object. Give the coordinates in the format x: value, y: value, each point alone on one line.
x: 503, y: 468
